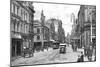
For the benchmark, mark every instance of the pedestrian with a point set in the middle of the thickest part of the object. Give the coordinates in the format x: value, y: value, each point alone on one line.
x: 81, y: 58
x: 24, y: 51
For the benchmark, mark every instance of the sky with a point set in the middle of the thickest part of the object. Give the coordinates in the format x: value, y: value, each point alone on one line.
x: 58, y: 11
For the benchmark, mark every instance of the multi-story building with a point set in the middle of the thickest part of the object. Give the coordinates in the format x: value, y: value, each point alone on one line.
x: 41, y: 33
x: 81, y: 21
x: 41, y: 39
x: 22, y: 14
x: 93, y: 26
x: 37, y: 35
x: 87, y: 24
x: 61, y: 32
x: 52, y: 29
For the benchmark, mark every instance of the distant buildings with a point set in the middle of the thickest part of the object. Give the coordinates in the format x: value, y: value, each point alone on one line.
x: 47, y: 31
x: 67, y: 39
x: 52, y: 28
x: 57, y: 32
x: 22, y: 16
x: 61, y: 33
x: 75, y: 35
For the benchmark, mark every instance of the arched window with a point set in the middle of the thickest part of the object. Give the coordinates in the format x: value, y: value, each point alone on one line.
x: 18, y: 26
x: 21, y: 28
x: 12, y: 7
x: 15, y: 25
x: 24, y: 28
x: 27, y: 28
x: 12, y: 25
x: 16, y: 10
x: 38, y: 30
x: 27, y: 17
x: 38, y: 37
x: 19, y: 12
x: 24, y: 15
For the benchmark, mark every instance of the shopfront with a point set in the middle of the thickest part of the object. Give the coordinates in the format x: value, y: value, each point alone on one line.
x: 16, y: 45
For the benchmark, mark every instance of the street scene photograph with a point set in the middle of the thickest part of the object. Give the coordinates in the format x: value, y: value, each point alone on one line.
x: 51, y: 33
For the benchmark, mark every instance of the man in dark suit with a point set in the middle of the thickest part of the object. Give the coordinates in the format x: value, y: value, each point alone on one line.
x: 81, y: 58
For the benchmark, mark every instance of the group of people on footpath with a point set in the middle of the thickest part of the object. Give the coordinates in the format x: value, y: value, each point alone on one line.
x: 88, y: 54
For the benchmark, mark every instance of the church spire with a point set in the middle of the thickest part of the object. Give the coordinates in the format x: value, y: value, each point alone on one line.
x: 42, y: 17
x: 42, y: 14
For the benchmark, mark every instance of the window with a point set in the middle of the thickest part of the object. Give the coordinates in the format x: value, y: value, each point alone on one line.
x: 38, y: 30
x: 16, y: 10
x: 12, y: 8
x: 21, y: 13
x: 38, y: 37
x: 27, y: 29
x: 12, y: 26
x: 16, y: 27
x: 24, y: 28
x: 21, y: 28
x: 28, y: 17
x: 35, y: 31
x: 94, y: 32
x: 24, y: 15
x: 86, y: 15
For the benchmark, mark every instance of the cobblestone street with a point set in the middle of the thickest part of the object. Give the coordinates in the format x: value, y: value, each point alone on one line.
x: 50, y: 56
